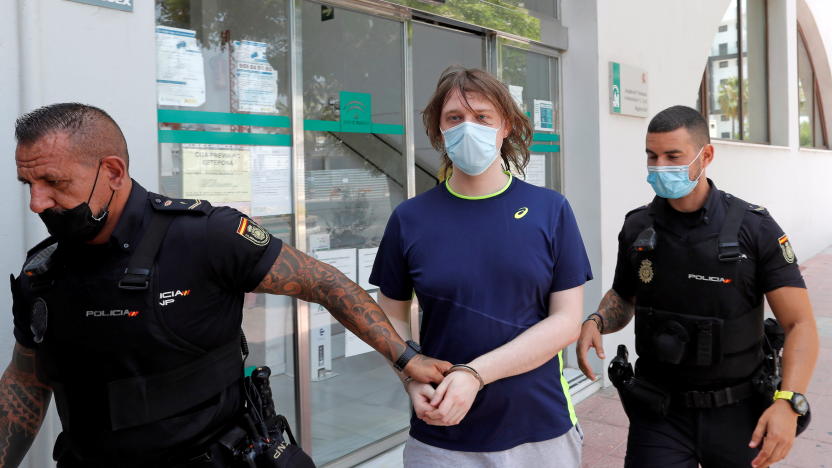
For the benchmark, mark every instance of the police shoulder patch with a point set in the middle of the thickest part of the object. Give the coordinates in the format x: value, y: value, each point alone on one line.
x: 253, y: 232
x: 163, y: 203
x: 786, y: 248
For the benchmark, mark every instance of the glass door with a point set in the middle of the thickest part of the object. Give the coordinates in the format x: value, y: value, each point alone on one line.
x: 355, y: 174
x: 223, y: 113
x: 532, y: 76
x: 435, y: 48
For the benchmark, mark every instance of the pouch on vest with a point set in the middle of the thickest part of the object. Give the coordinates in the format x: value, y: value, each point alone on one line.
x: 678, y: 338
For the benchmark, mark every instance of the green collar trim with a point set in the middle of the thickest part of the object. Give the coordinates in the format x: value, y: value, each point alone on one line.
x: 481, y: 197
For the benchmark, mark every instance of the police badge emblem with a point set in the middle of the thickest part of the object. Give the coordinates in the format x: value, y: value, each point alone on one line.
x: 254, y: 233
x: 645, y: 272
x: 786, y: 247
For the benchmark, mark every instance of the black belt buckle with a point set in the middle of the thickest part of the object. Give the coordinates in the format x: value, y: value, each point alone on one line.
x: 135, y: 279
x: 717, y: 398
x: 694, y: 399
x: 131, y: 285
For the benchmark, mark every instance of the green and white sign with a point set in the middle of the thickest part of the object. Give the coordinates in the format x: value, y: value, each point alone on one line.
x: 356, y: 112
x: 628, y: 90
x: 123, y: 5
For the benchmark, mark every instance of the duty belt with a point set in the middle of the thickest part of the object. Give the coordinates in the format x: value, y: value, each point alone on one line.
x: 716, y: 398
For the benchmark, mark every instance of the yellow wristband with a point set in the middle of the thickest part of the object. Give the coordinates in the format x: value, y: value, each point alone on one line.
x: 783, y: 395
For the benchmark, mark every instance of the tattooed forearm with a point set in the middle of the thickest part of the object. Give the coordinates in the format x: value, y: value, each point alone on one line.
x: 299, y: 275
x: 23, y: 403
x: 616, y: 310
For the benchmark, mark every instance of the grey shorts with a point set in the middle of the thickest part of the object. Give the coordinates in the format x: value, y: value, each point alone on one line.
x: 560, y: 452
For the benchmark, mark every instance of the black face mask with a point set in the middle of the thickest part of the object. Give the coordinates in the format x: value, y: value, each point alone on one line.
x: 77, y: 224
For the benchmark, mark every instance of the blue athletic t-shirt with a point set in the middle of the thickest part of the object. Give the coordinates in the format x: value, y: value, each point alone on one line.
x: 483, y: 269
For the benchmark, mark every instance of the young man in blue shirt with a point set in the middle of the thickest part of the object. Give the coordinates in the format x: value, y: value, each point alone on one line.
x: 498, y: 266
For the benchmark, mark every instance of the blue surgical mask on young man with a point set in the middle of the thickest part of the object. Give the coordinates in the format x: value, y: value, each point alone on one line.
x: 471, y: 147
x: 673, y: 181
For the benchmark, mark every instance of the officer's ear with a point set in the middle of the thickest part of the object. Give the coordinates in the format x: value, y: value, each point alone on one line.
x: 114, y: 171
x: 707, y: 155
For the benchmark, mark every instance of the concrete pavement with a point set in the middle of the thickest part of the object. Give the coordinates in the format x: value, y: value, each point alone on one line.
x: 605, y: 424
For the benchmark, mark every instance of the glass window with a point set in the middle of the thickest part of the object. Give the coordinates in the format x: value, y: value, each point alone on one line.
x: 223, y: 104
x: 811, y: 122
x: 740, y: 49
x: 434, y: 49
x: 754, y: 62
x: 353, y: 81
x: 532, y: 80
x: 543, y: 7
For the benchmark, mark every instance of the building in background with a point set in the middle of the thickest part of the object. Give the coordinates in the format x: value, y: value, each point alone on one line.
x: 306, y: 116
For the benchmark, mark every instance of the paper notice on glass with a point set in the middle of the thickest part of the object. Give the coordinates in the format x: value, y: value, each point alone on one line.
x: 517, y: 94
x: 255, y: 81
x: 544, y: 116
x: 318, y: 242
x: 271, y: 180
x: 353, y: 346
x: 320, y: 342
x: 536, y: 170
x: 366, y: 258
x: 217, y: 173
x: 342, y: 259
x: 180, y: 73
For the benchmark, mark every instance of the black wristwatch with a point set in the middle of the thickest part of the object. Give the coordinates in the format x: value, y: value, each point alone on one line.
x: 412, y: 349
x: 798, y: 401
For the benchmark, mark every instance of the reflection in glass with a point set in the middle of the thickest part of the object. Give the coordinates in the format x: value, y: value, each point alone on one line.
x: 434, y: 49
x: 219, y: 28
x: 509, y: 16
x: 354, y: 177
x: 754, y: 71
x: 805, y: 95
x: 723, y: 79
x: 811, y: 122
x: 532, y: 77
x: 736, y: 81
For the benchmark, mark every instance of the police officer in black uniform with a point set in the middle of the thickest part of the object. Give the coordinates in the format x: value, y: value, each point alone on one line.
x: 693, y: 268
x: 130, y: 312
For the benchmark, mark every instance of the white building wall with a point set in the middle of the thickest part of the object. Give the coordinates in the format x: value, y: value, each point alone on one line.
x: 580, y: 129
x: 58, y: 51
x: 11, y: 192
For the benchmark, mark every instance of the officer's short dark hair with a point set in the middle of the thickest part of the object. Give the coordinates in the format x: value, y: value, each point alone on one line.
x: 677, y: 117
x: 93, y: 132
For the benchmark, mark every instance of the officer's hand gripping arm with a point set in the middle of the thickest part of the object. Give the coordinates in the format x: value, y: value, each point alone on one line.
x: 299, y: 275
x: 616, y: 313
x: 23, y: 403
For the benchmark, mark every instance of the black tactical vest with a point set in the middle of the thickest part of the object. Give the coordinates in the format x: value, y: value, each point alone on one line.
x: 694, y: 325
x: 127, y: 390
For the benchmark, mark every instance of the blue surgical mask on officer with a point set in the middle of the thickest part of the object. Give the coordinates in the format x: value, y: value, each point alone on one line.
x: 673, y: 181
x: 471, y: 147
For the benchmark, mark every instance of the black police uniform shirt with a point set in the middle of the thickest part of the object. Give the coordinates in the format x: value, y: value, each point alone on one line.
x: 770, y: 262
x: 208, y: 259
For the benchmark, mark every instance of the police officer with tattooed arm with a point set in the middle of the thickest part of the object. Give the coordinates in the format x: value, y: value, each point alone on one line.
x: 709, y: 387
x: 130, y: 312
